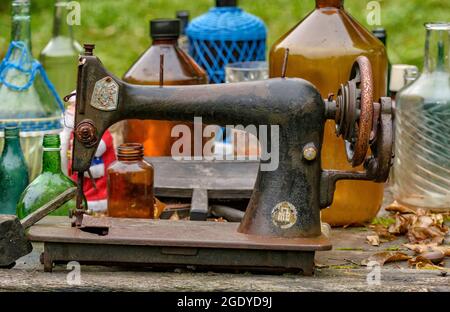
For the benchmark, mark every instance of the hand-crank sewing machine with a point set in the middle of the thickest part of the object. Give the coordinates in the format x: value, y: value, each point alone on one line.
x: 281, y: 229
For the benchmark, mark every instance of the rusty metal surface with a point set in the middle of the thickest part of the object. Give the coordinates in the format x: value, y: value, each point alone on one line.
x: 355, y: 111
x: 195, y: 234
x: 363, y: 77
x: 197, y: 259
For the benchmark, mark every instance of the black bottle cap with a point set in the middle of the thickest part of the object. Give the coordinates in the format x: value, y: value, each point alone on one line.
x: 226, y: 3
x: 165, y: 28
x: 381, y: 34
x: 183, y: 16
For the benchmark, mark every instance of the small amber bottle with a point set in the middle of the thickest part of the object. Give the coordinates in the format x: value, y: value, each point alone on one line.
x: 130, y: 184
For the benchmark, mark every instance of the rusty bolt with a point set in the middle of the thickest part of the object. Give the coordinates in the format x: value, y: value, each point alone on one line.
x: 86, y: 133
x: 310, y: 152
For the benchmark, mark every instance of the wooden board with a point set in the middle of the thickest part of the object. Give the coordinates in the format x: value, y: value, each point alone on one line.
x: 336, y: 273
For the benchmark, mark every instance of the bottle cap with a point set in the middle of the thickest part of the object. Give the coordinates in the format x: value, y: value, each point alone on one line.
x: 398, y: 76
x: 183, y: 16
x: 226, y: 3
x: 165, y: 28
x: 130, y: 151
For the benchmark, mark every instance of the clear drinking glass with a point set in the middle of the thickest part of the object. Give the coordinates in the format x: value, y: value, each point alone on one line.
x: 246, y: 71
x: 242, y: 143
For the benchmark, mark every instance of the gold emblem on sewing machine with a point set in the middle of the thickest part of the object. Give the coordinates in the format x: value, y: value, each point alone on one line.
x: 284, y: 215
x: 105, y: 95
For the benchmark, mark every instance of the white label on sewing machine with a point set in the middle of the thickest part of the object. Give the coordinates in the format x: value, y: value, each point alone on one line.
x: 105, y: 95
x: 284, y: 215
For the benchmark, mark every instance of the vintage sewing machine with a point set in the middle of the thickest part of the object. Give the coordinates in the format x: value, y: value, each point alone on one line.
x: 281, y: 229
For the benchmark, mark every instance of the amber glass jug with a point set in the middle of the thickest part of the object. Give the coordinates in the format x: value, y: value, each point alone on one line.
x: 179, y: 69
x: 322, y: 49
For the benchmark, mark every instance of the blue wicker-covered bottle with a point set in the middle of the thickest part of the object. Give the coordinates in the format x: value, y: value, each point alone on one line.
x: 226, y: 34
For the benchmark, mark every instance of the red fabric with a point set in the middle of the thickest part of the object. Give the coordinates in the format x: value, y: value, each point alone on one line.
x: 108, y: 157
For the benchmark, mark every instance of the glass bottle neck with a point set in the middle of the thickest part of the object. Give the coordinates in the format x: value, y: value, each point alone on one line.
x: 437, y: 52
x: 51, y: 160
x: 21, y: 27
x: 12, y: 144
x: 61, y: 28
x: 330, y: 3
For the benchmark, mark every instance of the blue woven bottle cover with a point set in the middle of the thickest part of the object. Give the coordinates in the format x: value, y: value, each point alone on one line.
x: 226, y: 35
x: 28, y: 124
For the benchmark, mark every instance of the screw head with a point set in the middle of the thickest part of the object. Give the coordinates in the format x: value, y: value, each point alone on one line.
x: 310, y: 152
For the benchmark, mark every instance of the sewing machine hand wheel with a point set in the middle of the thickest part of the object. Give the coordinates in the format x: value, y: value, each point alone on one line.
x: 355, y: 112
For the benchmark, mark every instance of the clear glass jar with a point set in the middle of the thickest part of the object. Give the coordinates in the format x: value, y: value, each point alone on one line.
x: 130, y: 184
x: 422, y: 149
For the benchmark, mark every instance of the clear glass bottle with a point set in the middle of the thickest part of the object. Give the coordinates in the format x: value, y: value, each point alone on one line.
x: 322, y: 49
x: 13, y: 172
x: 422, y: 149
x: 130, y: 184
x: 179, y: 69
x: 27, y: 98
x: 60, y: 55
x: 49, y: 184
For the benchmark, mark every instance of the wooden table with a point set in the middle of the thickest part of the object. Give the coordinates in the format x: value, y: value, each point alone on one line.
x: 337, y: 270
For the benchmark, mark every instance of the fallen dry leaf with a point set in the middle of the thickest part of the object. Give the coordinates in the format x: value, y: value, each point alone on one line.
x: 159, y: 208
x: 396, y: 207
x: 174, y: 217
x: 420, y: 226
x: 423, y: 248
x: 434, y: 256
x: 402, y: 223
x: 383, y: 233
x: 419, y: 262
x: 373, y: 240
x: 217, y: 219
x: 386, y: 257
x: 431, y: 234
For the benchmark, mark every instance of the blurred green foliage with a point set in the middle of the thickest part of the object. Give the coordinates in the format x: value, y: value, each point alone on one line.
x: 120, y: 28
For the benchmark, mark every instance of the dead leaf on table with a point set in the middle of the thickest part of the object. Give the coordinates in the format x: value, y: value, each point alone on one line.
x: 385, y: 257
x: 402, y: 223
x: 383, y: 232
x: 174, y: 217
x: 423, y: 248
x: 396, y: 207
x: 373, y: 240
x: 428, y: 260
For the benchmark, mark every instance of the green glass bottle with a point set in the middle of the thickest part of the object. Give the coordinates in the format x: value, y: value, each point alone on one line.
x: 60, y: 55
x: 13, y: 172
x: 49, y: 184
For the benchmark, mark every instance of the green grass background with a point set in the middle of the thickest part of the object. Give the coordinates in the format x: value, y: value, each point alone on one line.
x: 119, y: 28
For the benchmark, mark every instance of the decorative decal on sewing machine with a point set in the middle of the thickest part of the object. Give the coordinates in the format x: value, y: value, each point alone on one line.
x: 105, y: 95
x: 284, y: 215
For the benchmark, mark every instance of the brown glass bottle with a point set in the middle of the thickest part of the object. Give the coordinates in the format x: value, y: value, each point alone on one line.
x: 130, y: 184
x: 322, y: 49
x: 179, y: 69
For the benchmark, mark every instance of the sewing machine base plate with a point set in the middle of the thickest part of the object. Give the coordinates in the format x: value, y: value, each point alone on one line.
x: 159, y: 243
